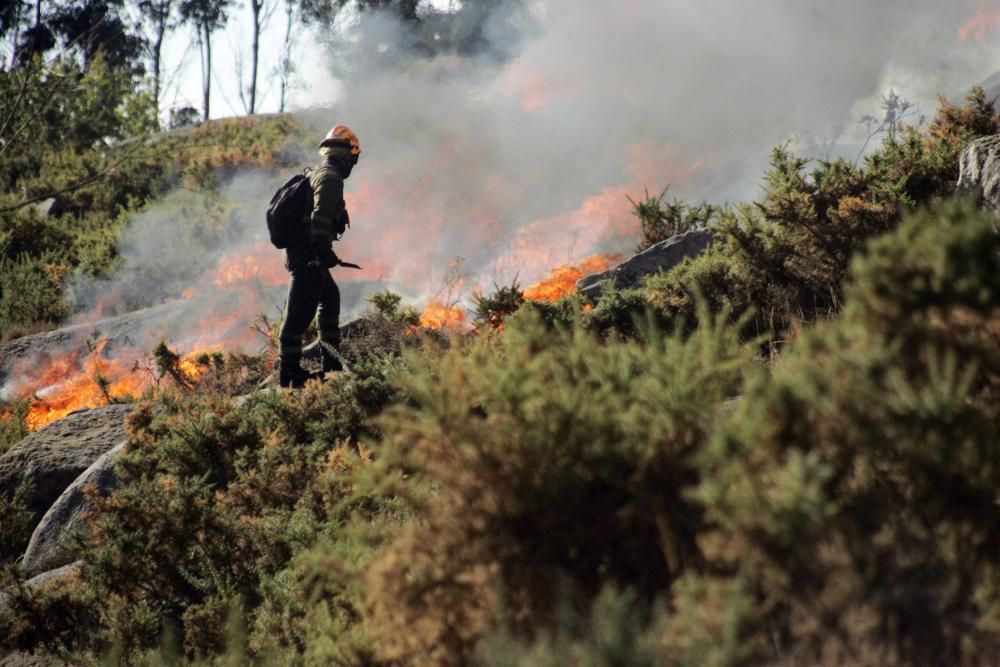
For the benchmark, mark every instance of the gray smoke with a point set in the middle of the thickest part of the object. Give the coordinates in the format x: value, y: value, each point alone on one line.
x: 466, y: 153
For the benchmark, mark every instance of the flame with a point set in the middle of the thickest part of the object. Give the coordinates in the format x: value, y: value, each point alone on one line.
x: 405, y: 230
x: 530, y: 87
x: 977, y: 28
x: 562, y: 280
x: 221, y: 321
x: 256, y: 264
x: 438, y: 316
x: 71, y: 383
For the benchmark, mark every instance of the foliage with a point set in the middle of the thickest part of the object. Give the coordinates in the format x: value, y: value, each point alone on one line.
x: 16, y: 521
x: 787, y: 255
x: 386, y: 304
x: 560, y: 463
x: 13, y: 423
x: 618, y: 632
x: 493, y: 309
x: 661, y: 219
x: 31, y: 295
x: 856, y: 485
x: 78, y: 139
x: 216, y: 499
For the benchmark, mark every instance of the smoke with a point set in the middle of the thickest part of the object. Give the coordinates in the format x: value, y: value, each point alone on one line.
x: 506, y: 139
x: 517, y: 161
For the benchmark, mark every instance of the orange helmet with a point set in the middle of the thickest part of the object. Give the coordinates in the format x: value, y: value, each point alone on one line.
x: 341, y: 136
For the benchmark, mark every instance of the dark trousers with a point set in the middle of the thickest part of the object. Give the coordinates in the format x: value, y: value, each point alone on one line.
x: 312, y: 292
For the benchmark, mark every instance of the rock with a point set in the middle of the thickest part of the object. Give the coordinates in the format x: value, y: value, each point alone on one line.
x: 979, y: 171
x: 53, y: 456
x: 46, y: 548
x: 663, y: 255
x: 68, y: 570
x: 52, y: 207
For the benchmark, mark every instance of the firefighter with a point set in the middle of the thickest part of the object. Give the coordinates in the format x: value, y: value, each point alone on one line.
x: 312, y: 291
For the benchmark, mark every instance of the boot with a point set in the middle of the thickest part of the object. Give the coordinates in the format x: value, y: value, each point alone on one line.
x: 331, y: 362
x: 291, y: 374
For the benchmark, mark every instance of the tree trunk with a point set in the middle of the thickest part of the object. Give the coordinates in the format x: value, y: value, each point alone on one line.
x: 286, y: 56
x: 256, y: 5
x: 161, y: 29
x: 207, y: 74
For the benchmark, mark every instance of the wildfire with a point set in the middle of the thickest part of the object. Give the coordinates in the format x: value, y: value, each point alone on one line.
x: 72, y: 383
x: 562, y: 280
x: 242, y: 266
x: 981, y: 24
x: 438, y: 316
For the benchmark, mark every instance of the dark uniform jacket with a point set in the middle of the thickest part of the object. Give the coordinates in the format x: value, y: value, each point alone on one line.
x: 326, y: 222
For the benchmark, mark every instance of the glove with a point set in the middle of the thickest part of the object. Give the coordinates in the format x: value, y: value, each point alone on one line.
x: 342, y: 224
x: 329, y: 259
x: 323, y: 256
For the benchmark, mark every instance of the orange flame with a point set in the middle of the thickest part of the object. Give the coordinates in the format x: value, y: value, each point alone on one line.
x: 407, y: 221
x: 985, y: 21
x: 258, y: 265
x: 437, y: 316
x: 70, y: 384
x: 562, y: 280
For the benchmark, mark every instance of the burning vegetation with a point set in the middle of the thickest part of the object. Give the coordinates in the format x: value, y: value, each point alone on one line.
x: 662, y: 477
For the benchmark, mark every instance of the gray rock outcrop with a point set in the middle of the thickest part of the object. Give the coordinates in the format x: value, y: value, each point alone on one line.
x: 46, y: 549
x: 979, y: 171
x: 662, y: 256
x: 51, y: 458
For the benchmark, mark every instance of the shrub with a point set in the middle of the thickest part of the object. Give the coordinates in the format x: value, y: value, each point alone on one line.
x: 661, y: 219
x: 13, y: 423
x: 216, y: 499
x: 492, y: 309
x: 787, y: 255
x: 17, y: 521
x: 560, y: 464
x: 856, y: 486
x: 31, y: 294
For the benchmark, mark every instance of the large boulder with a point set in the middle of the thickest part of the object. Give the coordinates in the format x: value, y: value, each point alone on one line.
x: 52, y: 457
x: 46, y: 549
x: 662, y: 256
x: 979, y: 171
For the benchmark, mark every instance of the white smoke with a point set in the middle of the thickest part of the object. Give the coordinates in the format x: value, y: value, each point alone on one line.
x: 699, y: 91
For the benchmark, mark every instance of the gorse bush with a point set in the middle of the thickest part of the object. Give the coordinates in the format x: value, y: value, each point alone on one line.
x: 642, y: 480
x: 560, y: 463
x: 787, y: 255
x: 856, y: 485
x: 662, y: 219
x: 216, y: 499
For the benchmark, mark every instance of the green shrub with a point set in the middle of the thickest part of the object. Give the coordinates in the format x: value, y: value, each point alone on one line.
x: 492, y: 309
x: 856, y: 485
x: 16, y: 522
x: 561, y: 464
x: 787, y: 255
x: 31, y: 294
x: 619, y: 632
x: 217, y: 497
x: 13, y: 423
x: 661, y: 219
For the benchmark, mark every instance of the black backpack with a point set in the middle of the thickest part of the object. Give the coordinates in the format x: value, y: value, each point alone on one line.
x: 287, y: 209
